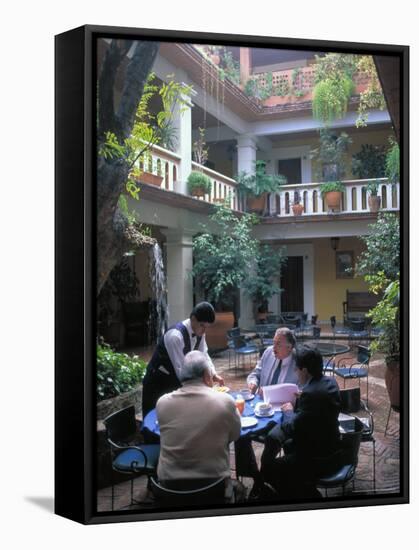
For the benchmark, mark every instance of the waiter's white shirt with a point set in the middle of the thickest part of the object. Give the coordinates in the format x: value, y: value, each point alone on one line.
x: 173, y: 340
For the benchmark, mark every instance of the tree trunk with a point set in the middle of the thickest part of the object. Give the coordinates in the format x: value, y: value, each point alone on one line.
x: 114, y: 236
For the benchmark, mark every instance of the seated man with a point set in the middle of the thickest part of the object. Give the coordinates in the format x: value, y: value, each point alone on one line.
x: 311, y: 432
x: 277, y: 364
x: 197, y: 425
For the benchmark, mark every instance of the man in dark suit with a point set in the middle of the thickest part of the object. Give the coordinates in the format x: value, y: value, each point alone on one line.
x: 309, y: 434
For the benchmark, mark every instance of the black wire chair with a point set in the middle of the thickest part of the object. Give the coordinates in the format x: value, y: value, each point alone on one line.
x: 189, y: 492
x: 357, y: 370
x: 129, y: 459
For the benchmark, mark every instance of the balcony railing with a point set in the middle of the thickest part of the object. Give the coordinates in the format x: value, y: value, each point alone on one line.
x: 222, y: 187
x: 354, y: 198
x: 164, y: 163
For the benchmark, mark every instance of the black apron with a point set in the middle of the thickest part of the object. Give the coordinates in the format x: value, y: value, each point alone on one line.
x: 160, y: 376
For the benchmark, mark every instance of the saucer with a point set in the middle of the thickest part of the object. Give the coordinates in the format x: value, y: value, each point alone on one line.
x: 265, y: 415
x: 251, y: 396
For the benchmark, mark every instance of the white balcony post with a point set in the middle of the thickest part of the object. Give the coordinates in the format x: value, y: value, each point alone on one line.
x: 179, y: 265
x: 182, y: 120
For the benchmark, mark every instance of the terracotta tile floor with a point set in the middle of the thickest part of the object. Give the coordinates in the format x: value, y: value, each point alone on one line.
x: 387, y: 447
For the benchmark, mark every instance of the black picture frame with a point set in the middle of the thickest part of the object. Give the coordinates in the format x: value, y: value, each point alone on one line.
x: 75, y: 270
x: 344, y: 264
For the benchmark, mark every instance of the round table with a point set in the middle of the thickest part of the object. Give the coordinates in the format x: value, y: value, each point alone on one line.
x: 330, y: 349
x: 151, y: 424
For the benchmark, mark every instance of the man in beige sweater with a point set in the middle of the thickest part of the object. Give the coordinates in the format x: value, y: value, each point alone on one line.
x: 197, y: 425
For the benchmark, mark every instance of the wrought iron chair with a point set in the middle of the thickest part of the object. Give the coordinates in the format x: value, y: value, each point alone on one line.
x: 358, y: 334
x: 352, y: 403
x: 348, y: 458
x: 231, y: 333
x: 243, y: 349
x: 137, y: 460
x: 357, y: 370
x: 189, y: 492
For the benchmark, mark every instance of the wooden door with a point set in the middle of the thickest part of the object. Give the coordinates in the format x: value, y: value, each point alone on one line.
x: 292, y: 283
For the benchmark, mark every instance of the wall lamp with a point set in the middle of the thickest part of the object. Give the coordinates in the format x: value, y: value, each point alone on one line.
x: 334, y: 242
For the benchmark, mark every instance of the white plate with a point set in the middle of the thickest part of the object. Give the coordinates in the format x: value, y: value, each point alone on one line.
x: 248, y: 421
x: 267, y: 415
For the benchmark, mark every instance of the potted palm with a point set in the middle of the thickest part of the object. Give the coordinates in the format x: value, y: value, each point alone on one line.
x: 199, y: 184
x: 256, y: 186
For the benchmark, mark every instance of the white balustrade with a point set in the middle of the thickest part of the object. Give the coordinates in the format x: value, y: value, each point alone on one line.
x: 354, y: 198
x: 222, y: 187
x: 162, y: 162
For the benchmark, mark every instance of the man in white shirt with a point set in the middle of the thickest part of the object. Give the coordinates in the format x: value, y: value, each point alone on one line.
x: 164, y: 371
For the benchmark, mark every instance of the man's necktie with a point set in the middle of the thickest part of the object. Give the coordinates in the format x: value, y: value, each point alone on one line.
x: 276, y: 373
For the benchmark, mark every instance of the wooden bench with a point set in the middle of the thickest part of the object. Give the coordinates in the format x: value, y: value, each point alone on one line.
x: 358, y: 304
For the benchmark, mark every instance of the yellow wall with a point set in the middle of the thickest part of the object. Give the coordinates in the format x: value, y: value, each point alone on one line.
x: 329, y: 292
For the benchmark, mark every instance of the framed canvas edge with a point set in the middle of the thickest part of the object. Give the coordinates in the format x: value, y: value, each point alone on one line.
x: 81, y: 505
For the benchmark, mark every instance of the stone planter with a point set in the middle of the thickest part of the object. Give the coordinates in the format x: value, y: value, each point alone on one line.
x: 332, y: 199
x: 216, y: 334
x: 256, y: 204
x: 297, y: 209
x: 374, y: 203
x: 392, y: 379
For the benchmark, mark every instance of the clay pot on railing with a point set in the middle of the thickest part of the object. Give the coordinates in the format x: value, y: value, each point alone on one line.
x: 151, y: 179
x: 297, y: 209
x: 374, y: 203
x: 256, y: 204
x: 332, y: 199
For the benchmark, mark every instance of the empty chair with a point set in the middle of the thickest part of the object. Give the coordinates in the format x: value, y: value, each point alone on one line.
x: 357, y: 331
x: 127, y: 458
x: 189, y: 492
x: 243, y: 349
x: 230, y: 342
x: 351, y: 403
x: 347, y: 459
x: 357, y: 370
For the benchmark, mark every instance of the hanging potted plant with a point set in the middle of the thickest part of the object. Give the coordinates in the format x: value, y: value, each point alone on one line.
x: 374, y: 201
x: 256, y: 186
x: 199, y: 184
x: 297, y: 207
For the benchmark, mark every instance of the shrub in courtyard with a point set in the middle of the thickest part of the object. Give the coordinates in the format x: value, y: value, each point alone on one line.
x: 116, y: 372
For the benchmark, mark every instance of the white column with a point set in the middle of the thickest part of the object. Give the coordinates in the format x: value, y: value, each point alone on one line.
x: 246, y: 154
x: 179, y: 266
x: 182, y: 120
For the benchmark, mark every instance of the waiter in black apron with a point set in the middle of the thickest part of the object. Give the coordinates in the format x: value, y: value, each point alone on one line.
x: 163, y: 372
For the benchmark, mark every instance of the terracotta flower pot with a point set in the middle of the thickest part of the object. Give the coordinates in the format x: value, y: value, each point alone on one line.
x: 151, y: 179
x: 392, y: 379
x: 332, y: 199
x: 256, y: 204
x: 216, y: 334
x: 374, y: 202
x: 297, y: 209
x: 198, y: 192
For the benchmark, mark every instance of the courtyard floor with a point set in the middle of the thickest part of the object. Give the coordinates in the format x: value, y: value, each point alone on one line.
x: 387, y: 448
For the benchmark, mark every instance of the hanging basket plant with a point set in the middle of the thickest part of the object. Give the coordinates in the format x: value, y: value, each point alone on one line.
x: 331, y: 97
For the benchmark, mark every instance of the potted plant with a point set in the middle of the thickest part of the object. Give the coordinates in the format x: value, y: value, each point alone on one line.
x: 297, y: 207
x: 331, y: 192
x: 256, y: 186
x: 222, y: 258
x: 386, y: 317
x: 374, y: 201
x: 199, y: 184
x: 260, y: 284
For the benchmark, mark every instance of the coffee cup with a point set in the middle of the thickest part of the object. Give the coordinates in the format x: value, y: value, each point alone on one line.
x: 246, y: 393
